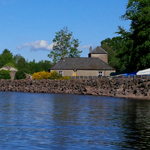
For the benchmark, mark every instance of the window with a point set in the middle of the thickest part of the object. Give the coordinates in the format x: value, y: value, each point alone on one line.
x: 60, y: 72
x: 74, y: 72
x: 100, y: 73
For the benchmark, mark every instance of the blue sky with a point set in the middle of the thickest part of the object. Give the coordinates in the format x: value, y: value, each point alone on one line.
x: 27, y: 27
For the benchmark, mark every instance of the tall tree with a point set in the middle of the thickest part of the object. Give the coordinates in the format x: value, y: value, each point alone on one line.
x: 114, y: 43
x: 22, y: 65
x: 135, y: 52
x: 112, y: 60
x: 114, y: 47
x: 17, y: 58
x: 33, y: 67
x: 64, y: 46
x: 6, y: 57
x: 45, y: 65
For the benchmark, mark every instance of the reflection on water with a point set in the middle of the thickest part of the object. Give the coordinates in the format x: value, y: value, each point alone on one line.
x: 63, y: 121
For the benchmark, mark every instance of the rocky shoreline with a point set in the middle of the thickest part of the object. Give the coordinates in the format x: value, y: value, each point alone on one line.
x: 135, y: 88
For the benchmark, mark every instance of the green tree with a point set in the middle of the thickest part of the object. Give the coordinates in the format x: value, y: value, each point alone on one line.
x: 124, y: 52
x: 34, y: 67
x: 20, y: 75
x: 112, y: 60
x: 113, y: 47
x: 6, y: 57
x: 114, y: 43
x: 64, y: 46
x: 21, y: 64
x: 44, y: 65
x: 135, y: 50
x: 17, y: 58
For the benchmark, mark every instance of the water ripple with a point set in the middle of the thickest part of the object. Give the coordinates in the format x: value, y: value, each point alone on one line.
x: 63, y: 121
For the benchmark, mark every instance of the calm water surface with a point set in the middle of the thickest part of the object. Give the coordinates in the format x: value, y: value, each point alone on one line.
x: 62, y: 121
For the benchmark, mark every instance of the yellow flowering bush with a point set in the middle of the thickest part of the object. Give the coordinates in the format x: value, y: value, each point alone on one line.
x: 41, y: 75
x: 47, y: 75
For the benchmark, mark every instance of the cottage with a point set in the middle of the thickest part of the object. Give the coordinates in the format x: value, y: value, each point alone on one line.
x: 96, y: 64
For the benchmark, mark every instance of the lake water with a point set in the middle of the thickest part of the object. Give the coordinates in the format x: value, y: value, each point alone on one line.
x: 61, y: 121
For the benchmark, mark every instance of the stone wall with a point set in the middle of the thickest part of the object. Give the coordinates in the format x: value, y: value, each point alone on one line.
x: 138, y: 88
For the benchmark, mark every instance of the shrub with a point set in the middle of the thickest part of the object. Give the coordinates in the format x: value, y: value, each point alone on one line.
x: 5, y: 74
x: 41, y: 75
x: 54, y: 75
x: 46, y: 75
x: 37, y: 75
x: 20, y: 75
x: 65, y: 78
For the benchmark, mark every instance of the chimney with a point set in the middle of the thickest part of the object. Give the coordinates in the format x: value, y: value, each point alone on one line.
x: 90, y: 49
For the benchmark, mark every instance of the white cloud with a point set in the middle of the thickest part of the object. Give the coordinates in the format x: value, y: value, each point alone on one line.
x: 38, y: 45
x: 84, y: 47
x: 43, y: 45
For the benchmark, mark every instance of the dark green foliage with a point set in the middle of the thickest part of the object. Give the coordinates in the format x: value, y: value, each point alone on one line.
x: 20, y: 75
x: 6, y: 57
x: 136, y: 50
x: 113, y: 47
x: 33, y: 67
x: 16, y: 58
x: 44, y: 65
x: 113, y: 61
x: 19, y: 62
x: 64, y: 46
x: 5, y: 74
x: 114, y: 43
x: 133, y: 47
x: 22, y: 65
x: 125, y: 50
x: 40, y: 66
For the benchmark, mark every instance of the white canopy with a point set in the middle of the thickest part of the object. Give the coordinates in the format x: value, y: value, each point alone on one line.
x: 8, y: 68
x: 3, y: 68
x: 143, y: 72
x: 13, y: 69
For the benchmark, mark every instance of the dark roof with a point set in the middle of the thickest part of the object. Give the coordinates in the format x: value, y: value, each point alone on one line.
x: 81, y: 63
x: 98, y: 50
